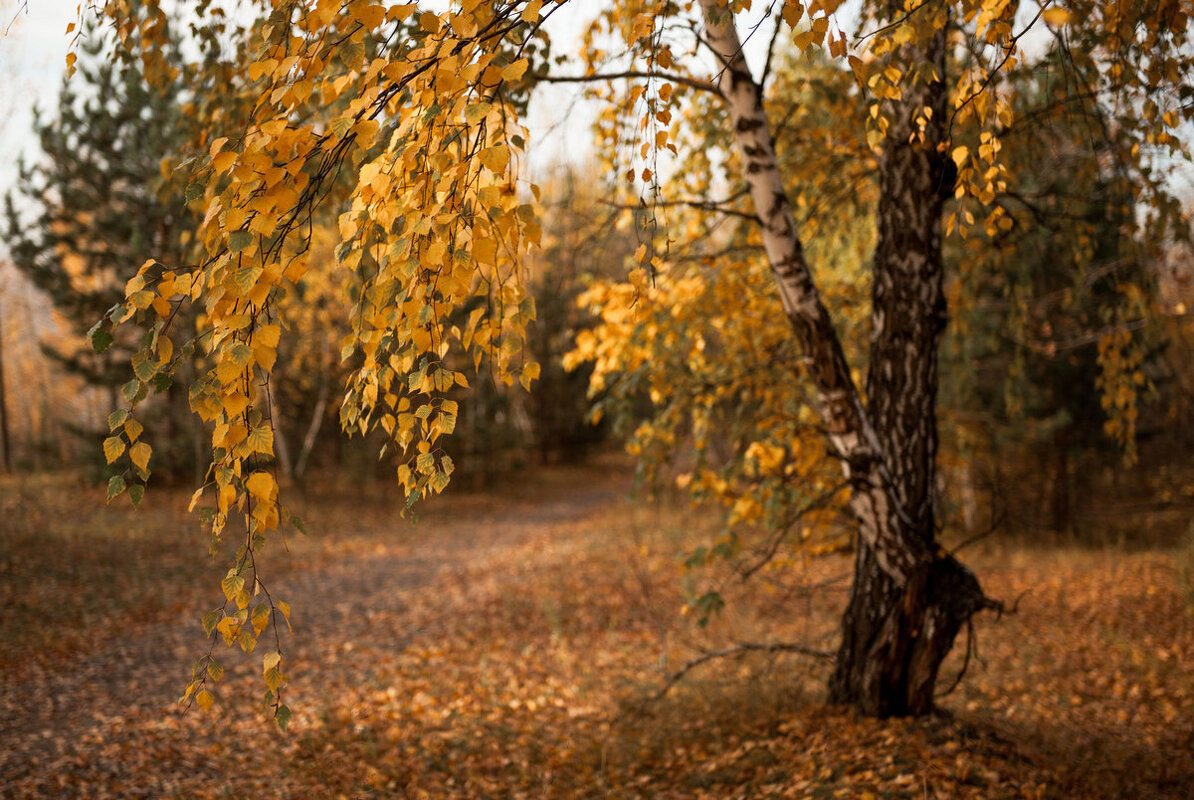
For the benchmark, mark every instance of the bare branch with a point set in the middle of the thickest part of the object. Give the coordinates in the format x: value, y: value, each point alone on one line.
x: 770, y: 52
x: 716, y: 206
x: 683, y: 80
x: 817, y: 502
x: 739, y: 649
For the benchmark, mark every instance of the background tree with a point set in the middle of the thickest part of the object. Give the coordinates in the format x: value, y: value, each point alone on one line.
x: 95, y: 207
x: 1037, y: 303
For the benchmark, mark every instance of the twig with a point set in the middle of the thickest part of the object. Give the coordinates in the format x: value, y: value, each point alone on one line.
x: 817, y: 502
x: 1009, y: 51
x: 22, y: 6
x: 893, y: 24
x: 995, y: 525
x: 692, y: 83
x: 971, y: 649
x: 770, y: 51
x: 744, y: 647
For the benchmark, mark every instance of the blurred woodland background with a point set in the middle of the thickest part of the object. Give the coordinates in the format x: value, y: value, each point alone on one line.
x: 1066, y: 375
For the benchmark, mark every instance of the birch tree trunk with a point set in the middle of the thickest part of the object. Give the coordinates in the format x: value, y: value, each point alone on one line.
x: 908, y: 602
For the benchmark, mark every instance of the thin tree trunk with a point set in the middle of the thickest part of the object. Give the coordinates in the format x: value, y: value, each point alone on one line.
x: 280, y: 447
x: 321, y: 404
x: 908, y: 602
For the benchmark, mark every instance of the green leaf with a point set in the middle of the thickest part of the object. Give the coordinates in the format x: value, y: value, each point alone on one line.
x: 475, y: 112
x: 194, y: 191
x: 144, y: 368
x: 240, y: 354
x: 245, y: 279
x: 101, y: 339
x: 136, y: 492
x: 708, y: 604
x: 298, y: 524
x: 133, y: 391
x: 239, y: 240
x: 232, y: 584
x: 210, y: 620
x: 425, y: 463
x: 282, y: 716
x: 115, y: 487
x: 117, y: 418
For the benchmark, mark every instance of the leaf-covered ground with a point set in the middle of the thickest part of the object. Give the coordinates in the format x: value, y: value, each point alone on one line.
x: 513, y: 645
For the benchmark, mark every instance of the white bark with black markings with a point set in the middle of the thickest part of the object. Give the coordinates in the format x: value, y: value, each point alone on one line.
x: 908, y: 601
x: 872, y: 497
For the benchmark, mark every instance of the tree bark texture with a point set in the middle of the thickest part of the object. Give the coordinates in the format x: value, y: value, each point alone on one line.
x: 850, y: 432
x: 908, y: 602
x: 895, y: 636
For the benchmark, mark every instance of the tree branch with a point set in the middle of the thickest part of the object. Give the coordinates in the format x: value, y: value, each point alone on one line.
x: 630, y: 74
x: 739, y: 649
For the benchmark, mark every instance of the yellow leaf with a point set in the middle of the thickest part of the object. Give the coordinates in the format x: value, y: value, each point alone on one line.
x: 133, y: 428
x: 261, y: 440
x: 140, y: 453
x: 223, y: 161
x: 284, y: 607
x: 531, y: 12
x: 485, y: 251
x: 226, y: 497
x: 1056, y: 17
x: 205, y: 699
x: 274, y: 127
x: 262, y: 486
x: 113, y: 448
x: 515, y: 70
x: 270, y: 661
x: 371, y: 16
x: 495, y: 158
x: 429, y: 22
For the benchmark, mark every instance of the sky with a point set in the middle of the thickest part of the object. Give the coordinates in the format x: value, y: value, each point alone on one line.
x: 32, y: 60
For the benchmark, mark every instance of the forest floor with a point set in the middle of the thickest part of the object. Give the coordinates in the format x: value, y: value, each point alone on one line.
x: 515, y: 644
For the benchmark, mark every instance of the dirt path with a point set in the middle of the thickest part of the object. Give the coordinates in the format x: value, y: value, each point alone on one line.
x: 52, y: 720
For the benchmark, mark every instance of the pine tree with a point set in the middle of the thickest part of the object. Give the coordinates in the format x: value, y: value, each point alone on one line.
x: 95, y: 206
